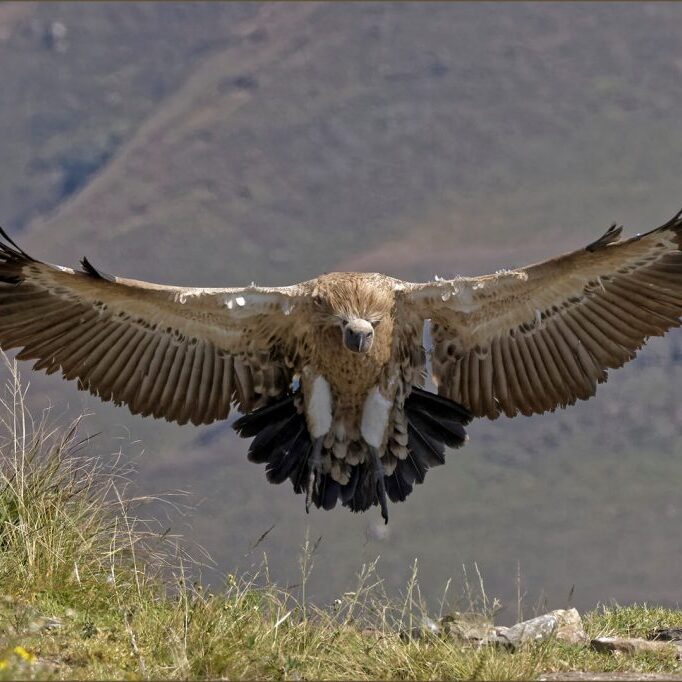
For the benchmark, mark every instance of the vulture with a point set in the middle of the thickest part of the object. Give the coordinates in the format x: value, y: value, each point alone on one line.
x: 329, y: 374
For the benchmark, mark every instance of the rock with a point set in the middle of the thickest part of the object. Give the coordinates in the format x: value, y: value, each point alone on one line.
x: 666, y: 634
x: 589, y: 676
x: 476, y: 630
x: 428, y: 628
x: 44, y: 623
x: 634, y: 645
x: 564, y: 625
x: 570, y: 628
x: 468, y: 628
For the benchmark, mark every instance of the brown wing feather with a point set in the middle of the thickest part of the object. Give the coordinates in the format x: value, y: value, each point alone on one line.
x: 164, y: 351
x: 547, y: 333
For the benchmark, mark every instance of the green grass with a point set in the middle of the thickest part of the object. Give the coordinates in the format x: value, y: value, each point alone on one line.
x: 89, y: 591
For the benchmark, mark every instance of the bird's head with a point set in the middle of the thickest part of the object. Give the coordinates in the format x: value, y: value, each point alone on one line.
x: 357, y: 333
x: 354, y: 305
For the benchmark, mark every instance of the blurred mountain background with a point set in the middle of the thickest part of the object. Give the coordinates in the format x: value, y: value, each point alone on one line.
x: 217, y: 144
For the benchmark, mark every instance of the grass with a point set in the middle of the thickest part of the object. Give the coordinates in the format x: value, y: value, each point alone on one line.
x: 89, y: 591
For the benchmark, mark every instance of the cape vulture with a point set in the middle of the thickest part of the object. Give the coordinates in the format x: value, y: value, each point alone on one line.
x: 329, y: 374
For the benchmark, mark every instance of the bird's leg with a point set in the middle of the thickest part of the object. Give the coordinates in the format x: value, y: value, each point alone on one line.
x: 315, y: 469
x: 379, y: 473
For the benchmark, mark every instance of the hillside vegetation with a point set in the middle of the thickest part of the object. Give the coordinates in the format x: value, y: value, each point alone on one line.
x: 223, y: 143
x: 91, y: 592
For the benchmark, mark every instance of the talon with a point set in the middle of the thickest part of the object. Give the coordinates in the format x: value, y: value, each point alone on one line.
x: 380, y: 483
x: 315, y: 471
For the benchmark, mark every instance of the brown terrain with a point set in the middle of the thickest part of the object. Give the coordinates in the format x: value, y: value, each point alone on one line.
x: 219, y: 144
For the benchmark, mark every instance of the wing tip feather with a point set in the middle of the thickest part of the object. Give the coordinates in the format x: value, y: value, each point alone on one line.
x: 11, y: 247
x: 12, y: 259
x: 609, y: 237
x: 90, y: 270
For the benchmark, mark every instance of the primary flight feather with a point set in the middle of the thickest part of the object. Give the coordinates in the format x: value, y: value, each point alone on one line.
x: 329, y: 373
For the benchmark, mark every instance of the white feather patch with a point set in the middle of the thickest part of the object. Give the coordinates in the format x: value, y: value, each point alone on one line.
x: 319, y: 410
x: 464, y: 299
x: 375, y: 417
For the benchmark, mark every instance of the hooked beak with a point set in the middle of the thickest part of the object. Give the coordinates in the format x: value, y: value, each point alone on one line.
x: 358, y: 335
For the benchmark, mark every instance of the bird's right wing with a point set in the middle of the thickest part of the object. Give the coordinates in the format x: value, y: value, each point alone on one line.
x: 543, y: 336
x: 173, y: 352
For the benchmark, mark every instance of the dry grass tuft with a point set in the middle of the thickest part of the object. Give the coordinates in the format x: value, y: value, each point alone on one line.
x: 88, y: 591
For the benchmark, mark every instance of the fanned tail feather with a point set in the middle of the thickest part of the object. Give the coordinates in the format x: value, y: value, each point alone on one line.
x: 282, y: 442
x: 434, y: 422
x: 437, y: 406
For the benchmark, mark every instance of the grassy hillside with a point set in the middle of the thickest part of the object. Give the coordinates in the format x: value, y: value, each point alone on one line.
x: 92, y: 592
x: 221, y: 144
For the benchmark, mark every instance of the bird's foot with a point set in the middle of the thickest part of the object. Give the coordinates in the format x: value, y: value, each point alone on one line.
x: 379, y: 474
x: 315, y: 469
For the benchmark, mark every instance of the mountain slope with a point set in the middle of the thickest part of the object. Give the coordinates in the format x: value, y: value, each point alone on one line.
x: 273, y: 142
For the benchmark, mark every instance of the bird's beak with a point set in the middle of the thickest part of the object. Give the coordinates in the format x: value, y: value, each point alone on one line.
x: 358, y: 336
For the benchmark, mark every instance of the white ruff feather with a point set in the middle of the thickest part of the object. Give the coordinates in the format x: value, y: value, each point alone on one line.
x: 375, y: 417
x: 320, y: 408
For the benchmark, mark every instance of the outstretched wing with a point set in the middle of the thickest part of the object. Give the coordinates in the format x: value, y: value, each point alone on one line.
x: 533, y: 339
x: 181, y: 353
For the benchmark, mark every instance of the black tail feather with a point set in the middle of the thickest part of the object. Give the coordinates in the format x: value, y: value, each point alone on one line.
x: 447, y: 431
x: 434, y: 422
x: 412, y: 468
x: 282, y: 442
x: 273, y: 437
x: 327, y: 493
x: 437, y: 406
x: 397, y: 488
x: 364, y: 489
x: 299, y: 476
x: 285, y: 458
x: 348, y: 490
x: 254, y: 422
x: 425, y: 447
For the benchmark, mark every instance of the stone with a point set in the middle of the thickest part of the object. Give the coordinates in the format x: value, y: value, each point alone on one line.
x: 474, y: 629
x: 468, y: 628
x: 428, y: 628
x: 533, y: 630
x: 570, y: 629
x: 666, y: 634
x: 563, y: 625
x: 44, y: 623
x: 634, y: 645
x: 589, y: 676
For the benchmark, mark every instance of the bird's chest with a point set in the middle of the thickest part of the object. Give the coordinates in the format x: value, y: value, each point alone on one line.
x: 350, y: 375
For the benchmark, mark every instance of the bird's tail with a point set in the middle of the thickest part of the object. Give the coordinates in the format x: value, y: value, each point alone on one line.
x: 434, y: 422
x: 282, y: 442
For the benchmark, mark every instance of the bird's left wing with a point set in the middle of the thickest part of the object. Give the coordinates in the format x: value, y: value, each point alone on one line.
x: 173, y: 352
x: 533, y: 339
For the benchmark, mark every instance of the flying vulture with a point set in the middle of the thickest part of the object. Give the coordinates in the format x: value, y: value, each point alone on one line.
x: 329, y: 374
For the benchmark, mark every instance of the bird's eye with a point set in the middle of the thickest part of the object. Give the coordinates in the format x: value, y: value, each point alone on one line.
x: 318, y: 300
x: 375, y: 324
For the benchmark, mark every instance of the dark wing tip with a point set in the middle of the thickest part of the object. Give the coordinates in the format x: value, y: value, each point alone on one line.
x: 92, y: 271
x: 675, y: 223
x: 12, y: 259
x: 9, y: 247
x: 611, y: 235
